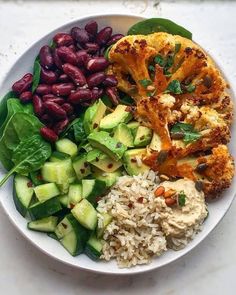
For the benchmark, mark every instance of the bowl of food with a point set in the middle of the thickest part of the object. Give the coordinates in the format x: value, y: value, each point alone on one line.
x: 116, y: 131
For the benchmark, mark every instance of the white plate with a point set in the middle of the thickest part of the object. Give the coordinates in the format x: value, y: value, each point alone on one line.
x: 217, y: 209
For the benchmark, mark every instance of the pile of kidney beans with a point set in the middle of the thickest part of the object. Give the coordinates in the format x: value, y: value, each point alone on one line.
x: 72, y: 74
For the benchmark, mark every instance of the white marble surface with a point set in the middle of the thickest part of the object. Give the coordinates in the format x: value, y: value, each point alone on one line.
x: 208, y: 269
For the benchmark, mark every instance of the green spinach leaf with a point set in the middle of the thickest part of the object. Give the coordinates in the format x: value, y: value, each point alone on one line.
x: 3, y: 106
x: 36, y: 74
x: 29, y: 155
x: 153, y: 25
x: 75, y: 131
x: 190, y: 134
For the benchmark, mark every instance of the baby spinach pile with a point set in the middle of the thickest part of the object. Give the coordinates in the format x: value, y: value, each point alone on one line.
x: 22, y: 149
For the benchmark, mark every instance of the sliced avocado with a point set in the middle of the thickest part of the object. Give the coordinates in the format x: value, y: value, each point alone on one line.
x: 102, y: 161
x: 109, y: 145
x: 143, y: 136
x: 109, y: 178
x: 133, y: 126
x: 124, y: 135
x: 155, y: 142
x: 131, y: 164
x: 81, y: 166
x: 93, y: 116
x: 120, y: 115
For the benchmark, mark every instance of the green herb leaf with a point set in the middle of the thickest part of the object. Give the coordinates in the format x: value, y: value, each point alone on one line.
x: 153, y: 25
x: 159, y: 60
x: 181, y: 198
x: 36, y: 74
x: 177, y: 48
x: 106, y: 52
x: 151, y: 68
x: 3, y: 106
x: 190, y: 134
x: 145, y: 82
x: 174, y: 87
x: 190, y: 88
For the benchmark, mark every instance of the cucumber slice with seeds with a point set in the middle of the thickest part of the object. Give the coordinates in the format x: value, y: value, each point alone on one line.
x: 67, y: 146
x: 74, y: 195
x: 92, y: 189
x: 93, y: 247
x: 45, y: 209
x: 47, y: 224
x: 46, y: 191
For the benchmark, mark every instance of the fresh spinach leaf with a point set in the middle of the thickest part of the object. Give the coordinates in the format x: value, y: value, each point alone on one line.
x: 36, y: 74
x: 75, y: 131
x: 190, y: 134
x: 174, y: 87
x: 29, y: 155
x: 3, y: 106
x: 153, y: 25
x: 19, y: 127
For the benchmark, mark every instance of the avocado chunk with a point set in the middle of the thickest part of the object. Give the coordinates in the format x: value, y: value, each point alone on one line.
x: 109, y: 178
x: 143, y: 136
x: 131, y: 164
x: 133, y: 126
x: 109, y: 145
x: 124, y: 135
x: 120, y: 115
x: 93, y: 116
x: 155, y: 142
x: 102, y: 161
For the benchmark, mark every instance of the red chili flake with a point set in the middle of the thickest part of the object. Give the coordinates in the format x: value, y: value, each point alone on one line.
x: 140, y: 200
x: 133, y: 160
x: 64, y: 225
x: 29, y: 184
x: 142, y: 137
x: 86, y: 164
x: 72, y: 206
x: 97, y: 159
x: 82, y: 171
x: 95, y: 125
x: 130, y: 205
x: 39, y: 177
x: 98, y: 199
x: 128, y: 109
x: 110, y: 165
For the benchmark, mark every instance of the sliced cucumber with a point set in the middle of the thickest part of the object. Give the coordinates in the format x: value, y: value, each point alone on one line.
x: 93, y: 247
x: 109, y: 178
x: 36, y: 177
x: 64, y: 188
x: 74, y: 195
x: 72, y: 235
x: 67, y: 146
x: 64, y: 200
x: 59, y: 156
x: 46, y: 191
x: 53, y: 236
x: 85, y: 213
x: 47, y: 224
x: 45, y: 209
x: 105, y: 219
x: 22, y: 193
x: 81, y: 166
x: 93, y: 188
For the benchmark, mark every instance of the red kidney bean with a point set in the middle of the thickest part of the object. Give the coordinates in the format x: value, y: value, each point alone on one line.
x: 48, y: 77
x: 80, y: 35
x: 43, y: 89
x: 95, y: 79
x: 23, y: 84
x: 80, y: 95
x: 54, y: 110
x: 63, y: 39
x: 67, y: 55
x: 91, y: 47
x: 47, y: 120
x: 114, y: 38
x: 60, y: 126
x: 57, y: 100
x: 62, y: 89
x: 68, y: 108
x: 63, y: 78
x: 110, y: 80
x: 48, y: 134
x: 56, y: 58
x: 75, y: 74
x: 96, y: 93
x: 82, y: 57
x: 26, y: 96
x: 48, y: 96
x: 38, y: 105
x: 72, y: 47
x: 92, y: 27
x: 103, y: 36
x: 97, y: 64
x: 112, y: 93
x: 45, y: 57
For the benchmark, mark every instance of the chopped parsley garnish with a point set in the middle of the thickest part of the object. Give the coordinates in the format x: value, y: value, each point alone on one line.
x: 190, y: 134
x: 177, y: 47
x: 181, y: 199
x: 145, y: 82
x: 174, y: 87
x: 151, y: 68
x: 190, y: 88
x: 159, y: 60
